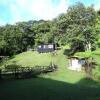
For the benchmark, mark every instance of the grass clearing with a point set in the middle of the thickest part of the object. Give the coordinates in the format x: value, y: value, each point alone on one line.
x: 32, y: 59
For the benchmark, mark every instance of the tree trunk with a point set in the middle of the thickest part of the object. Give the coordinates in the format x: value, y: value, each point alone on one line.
x: 88, y: 68
x: 88, y: 46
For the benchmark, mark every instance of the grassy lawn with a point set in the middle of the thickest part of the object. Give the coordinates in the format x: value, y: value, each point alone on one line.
x: 31, y: 59
x: 62, y: 84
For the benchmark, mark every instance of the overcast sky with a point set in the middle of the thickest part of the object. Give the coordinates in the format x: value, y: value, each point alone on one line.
x: 12, y: 11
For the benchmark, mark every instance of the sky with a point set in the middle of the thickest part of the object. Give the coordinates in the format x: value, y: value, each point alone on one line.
x: 12, y: 11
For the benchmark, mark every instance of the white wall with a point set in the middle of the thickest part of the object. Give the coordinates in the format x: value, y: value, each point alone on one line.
x: 74, y: 65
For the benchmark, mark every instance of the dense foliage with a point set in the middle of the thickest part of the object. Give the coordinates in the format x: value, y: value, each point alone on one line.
x: 79, y: 27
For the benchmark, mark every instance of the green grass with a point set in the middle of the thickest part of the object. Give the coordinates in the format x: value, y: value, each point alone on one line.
x: 87, y: 54
x: 62, y: 84
x: 31, y: 59
x: 48, y: 89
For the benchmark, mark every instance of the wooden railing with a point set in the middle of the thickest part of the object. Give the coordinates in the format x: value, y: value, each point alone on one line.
x: 25, y: 72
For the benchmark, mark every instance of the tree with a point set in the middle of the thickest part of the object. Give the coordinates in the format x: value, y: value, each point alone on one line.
x: 97, y: 27
x: 76, y: 27
x: 58, y: 30
x: 81, y: 29
x: 42, y: 31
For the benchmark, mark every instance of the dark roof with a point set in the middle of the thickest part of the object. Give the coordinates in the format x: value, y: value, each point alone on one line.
x: 75, y: 57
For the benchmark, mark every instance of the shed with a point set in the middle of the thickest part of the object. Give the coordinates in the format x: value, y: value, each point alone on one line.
x: 76, y: 63
x: 44, y: 48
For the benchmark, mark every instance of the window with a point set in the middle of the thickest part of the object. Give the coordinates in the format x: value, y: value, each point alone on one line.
x: 39, y: 46
x: 50, y: 46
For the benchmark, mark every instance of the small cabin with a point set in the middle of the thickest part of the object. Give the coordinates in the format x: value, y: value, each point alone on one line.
x: 76, y: 63
x: 44, y: 48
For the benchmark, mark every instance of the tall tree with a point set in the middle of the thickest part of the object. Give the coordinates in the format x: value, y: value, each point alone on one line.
x: 81, y: 31
x: 97, y: 26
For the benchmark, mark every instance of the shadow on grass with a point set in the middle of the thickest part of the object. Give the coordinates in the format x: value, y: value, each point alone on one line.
x: 67, y: 52
x: 47, y: 89
x: 89, y: 83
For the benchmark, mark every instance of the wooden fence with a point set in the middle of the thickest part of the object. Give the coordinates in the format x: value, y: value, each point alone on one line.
x: 25, y: 72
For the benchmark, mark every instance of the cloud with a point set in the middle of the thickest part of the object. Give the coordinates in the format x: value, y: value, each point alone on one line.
x: 97, y: 6
x: 15, y: 13
x: 44, y: 9
x: 2, y: 22
x: 22, y: 10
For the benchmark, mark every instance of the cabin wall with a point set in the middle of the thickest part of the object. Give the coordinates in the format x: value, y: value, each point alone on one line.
x: 46, y: 48
x: 74, y: 64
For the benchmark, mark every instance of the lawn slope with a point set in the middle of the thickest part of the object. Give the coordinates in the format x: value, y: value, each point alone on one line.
x: 31, y: 59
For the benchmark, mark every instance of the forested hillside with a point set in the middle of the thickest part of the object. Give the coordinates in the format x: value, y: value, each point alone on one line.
x: 79, y: 27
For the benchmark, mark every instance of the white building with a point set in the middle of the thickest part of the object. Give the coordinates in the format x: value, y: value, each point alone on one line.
x: 75, y: 63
